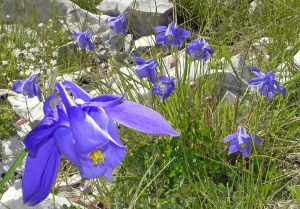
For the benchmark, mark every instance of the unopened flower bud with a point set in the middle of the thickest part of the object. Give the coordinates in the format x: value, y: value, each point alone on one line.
x: 192, y: 84
x: 160, y: 54
x: 87, y: 188
x: 209, y: 99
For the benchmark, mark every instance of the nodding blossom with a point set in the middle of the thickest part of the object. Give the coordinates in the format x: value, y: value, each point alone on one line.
x: 146, y: 68
x: 84, y: 39
x: 118, y: 24
x: 242, y: 142
x: 28, y: 87
x: 266, y: 83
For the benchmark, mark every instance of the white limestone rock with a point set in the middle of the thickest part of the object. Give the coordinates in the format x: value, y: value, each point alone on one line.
x: 13, y: 199
x: 30, y: 109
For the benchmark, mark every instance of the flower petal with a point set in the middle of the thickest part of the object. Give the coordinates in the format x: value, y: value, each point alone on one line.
x: 140, y: 118
x: 254, y: 82
x: 18, y: 85
x: 233, y: 147
x: 139, y: 60
x: 183, y: 33
x: 40, y: 173
x: 257, y: 139
x: 257, y: 72
x: 76, y: 91
x: 44, y: 130
x: 160, y: 29
x: 229, y: 137
x: 65, y: 143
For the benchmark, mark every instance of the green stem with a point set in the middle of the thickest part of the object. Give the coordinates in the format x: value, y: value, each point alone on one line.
x: 12, y: 169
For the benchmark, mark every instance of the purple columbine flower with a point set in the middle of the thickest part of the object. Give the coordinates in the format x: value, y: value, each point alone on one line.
x: 199, y: 49
x: 146, y: 68
x: 266, y: 83
x: 83, y: 130
x: 171, y: 35
x: 28, y: 87
x: 165, y: 87
x: 118, y: 24
x: 241, y: 141
x: 84, y: 39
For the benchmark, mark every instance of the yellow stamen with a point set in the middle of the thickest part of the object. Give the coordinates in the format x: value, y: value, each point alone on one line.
x: 198, y: 53
x: 97, y: 157
x: 162, y: 86
x: 243, y: 145
x: 25, y: 92
x: 170, y: 38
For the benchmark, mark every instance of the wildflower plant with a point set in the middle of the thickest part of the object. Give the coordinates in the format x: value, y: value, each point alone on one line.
x: 28, y: 87
x: 171, y: 35
x: 241, y: 141
x: 266, y: 83
x: 146, y: 68
x: 164, y: 87
x: 118, y: 24
x: 83, y: 39
x: 199, y: 49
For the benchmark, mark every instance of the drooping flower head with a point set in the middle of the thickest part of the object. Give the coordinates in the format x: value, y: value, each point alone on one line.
x: 242, y: 142
x: 199, y: 49
x: 266, y: 83
x: 83, y: 130
x: 146, y: 68
x: 28, y: 87
x: 165, y: 87
x: 118, y: 24
x: 171, y: 35
x: 84, y: 39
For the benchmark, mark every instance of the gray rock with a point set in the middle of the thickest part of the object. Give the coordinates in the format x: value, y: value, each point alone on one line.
x: 13, y: 198
x: 112, y: 45
x: 241, y: 68
x: 143, y: 14
x: 11, y: 147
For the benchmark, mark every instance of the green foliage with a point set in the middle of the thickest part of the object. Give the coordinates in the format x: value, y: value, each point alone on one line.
x: 89, y: 5
x: 7, y: 117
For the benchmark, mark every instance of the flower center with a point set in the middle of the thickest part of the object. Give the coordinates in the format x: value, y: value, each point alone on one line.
x: 162, y: 86
x: 170, y: 38
x: 97, y: 157
x: 25, y: 92
x: 243, y: 145
x: 198, y: 53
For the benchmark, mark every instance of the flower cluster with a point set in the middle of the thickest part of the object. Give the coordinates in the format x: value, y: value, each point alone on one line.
x: 82, y: 128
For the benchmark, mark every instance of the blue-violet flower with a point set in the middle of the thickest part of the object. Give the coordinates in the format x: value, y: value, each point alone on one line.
x: 28, y: 87
x: 84, y: 39
x: 241, y: 141
x: 146, y: 68
x: 266, y: 83
x: 171, y: 35
x: 83, y: 130
x: 199, y: 49
x: 165, y: 87
x: 118, y: 24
